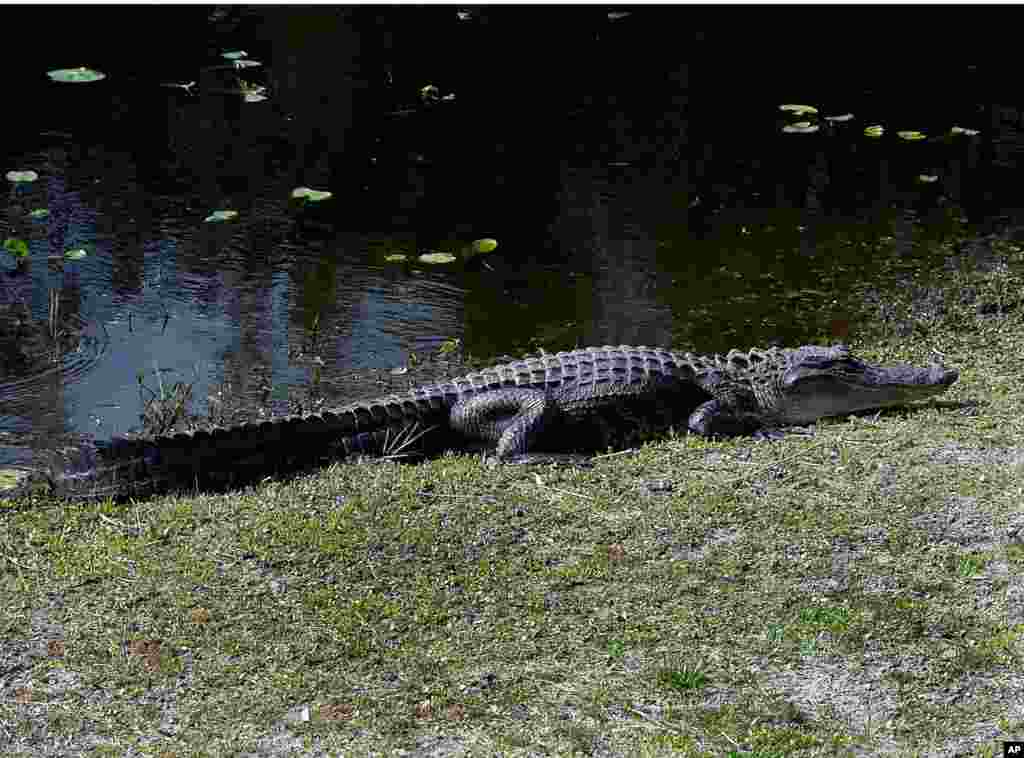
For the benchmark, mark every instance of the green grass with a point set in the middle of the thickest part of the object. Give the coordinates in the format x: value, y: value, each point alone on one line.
x: 853, y: 593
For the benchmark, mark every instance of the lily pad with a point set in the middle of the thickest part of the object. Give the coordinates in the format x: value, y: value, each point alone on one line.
x: 39, y: 213
x: 911, y: 136
x: 22, y: 176
x: 396, y: 257
x: 802, y: 127
x: 80, y: 75
x: 234, y: 55
x: 311, y: 195
x: 840, y: 119
x: 16, y: 247
x: 485, y: 245
x: 799, y: 110
x: 927, y: 178
x: 221, y: 216
x: 874, y: 131
x: 75, y: 255
x: 436, y: 258
x: 965, y: 132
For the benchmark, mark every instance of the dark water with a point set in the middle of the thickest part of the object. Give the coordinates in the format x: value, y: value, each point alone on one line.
x: 633, y: 170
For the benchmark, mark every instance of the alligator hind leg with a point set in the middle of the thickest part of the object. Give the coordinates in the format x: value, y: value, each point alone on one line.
x: 732, y: 411
x: 512, y: 419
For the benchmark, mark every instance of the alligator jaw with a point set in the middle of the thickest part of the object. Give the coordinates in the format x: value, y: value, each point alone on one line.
x: 846, y: 385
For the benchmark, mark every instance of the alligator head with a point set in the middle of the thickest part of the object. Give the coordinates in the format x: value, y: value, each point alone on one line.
x: 819, y: 381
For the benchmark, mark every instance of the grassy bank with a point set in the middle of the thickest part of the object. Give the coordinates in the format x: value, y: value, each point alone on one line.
x: 853, y: 593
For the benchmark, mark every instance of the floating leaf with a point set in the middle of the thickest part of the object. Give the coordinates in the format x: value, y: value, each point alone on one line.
x: 221, y: 216
x: 234, y: 55
x: 78, y: 75
x: 927, y: 178
x: 874, y: 131
x: 312, y: 195
x: 485, y: 245
x: 22, y: 176
x: 799, y: 110
x: 16, y: 247
x: 247, y: 64
x: 251, y: 97
x: 616, y: 15
x: 965, y: 132
x: 39, y: 213
x: 464, y: 15
x: 911, y: 136
x: 802, y: 127
x: 75, y: 255
x: 840, y: 119
x: 436, y: 258
x: 479, y: 247
x: 396, y: 258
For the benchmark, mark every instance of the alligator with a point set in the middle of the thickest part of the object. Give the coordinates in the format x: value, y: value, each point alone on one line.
x: 584, y: 400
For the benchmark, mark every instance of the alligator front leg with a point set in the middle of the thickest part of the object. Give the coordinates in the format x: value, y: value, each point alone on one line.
x: 713, y: 419
x: 733, y: 411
